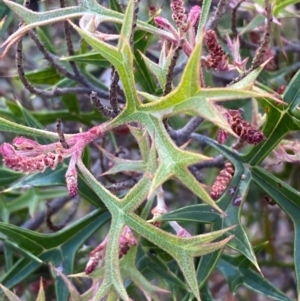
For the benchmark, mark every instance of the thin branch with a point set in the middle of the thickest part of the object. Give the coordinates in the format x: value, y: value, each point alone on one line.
x: 217, y: 15
x: 259, y: 57
x: 54, y: 92
x: 113, y: 91
x: 170, y: 74
x: 61, y: 135
x: 70, y: 47
x: 127, y: 184
x: 182, y: 135
x: 72, y: 212
x: 39, y: 218
x: 99, y: 106
x: 233, y: 19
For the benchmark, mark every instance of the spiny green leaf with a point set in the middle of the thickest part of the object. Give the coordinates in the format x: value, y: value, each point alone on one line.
x: 59, y: 248
x: 126, y: 31
x: 8, y: 126
x: 205, y: 10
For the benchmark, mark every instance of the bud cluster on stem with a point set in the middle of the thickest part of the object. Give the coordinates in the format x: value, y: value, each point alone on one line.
x: 31, y: 157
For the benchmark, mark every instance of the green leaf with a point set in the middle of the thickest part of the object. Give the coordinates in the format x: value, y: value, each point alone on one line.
x: 71, y: 103
x: 59, y: 248
x: 194, y: 213
x: 236, y: 275
x: 205, y: 10
x: 8, y: 126
x: 127, y: 23
x: 34, y: 19
x: 8, y: 176
x: 92, y: 57
x: 41, y: 294
x: 280, y: 5
x: 288, y: 199
x: 28, y: 200
x: 47, y: 76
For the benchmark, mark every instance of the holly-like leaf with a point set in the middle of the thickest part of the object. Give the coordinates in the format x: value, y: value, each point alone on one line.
x: 59, y: 248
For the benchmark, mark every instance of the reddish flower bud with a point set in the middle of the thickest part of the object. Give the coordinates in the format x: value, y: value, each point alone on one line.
x: 6, y: 149
x: 162, y: 23
x: 222, y: 181
x: 96, y: 257
x: 126, y: 241
x: 152, y: 11
x: 217, y: 58
x: 243, y: 128
x: 71, y: 180
x: 194, y: 15
x: 179, y: 15
x: 222, y: 136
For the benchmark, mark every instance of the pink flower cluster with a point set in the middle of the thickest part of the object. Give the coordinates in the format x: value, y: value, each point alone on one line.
x: 30, y: 156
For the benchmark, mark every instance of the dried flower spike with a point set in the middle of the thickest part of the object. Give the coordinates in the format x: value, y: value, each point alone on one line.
x: 243, y: 128
x: 222, y: 181
x: 217, y: 58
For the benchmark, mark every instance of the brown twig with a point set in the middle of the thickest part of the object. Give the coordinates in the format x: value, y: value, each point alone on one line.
x: 170, y: 74
x: 57, y: 227
x: 127, y: 184
x: 113, y: 91
x: 217, y: 15
x: 61, y: 135
x: 100, y: 107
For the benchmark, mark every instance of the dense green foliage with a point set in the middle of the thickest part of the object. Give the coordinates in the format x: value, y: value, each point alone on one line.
x: 156, y: 263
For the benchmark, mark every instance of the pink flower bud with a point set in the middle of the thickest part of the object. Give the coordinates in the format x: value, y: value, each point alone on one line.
x: 194, y: 15
x: 71, y: 180
x: 162, y: 22
x: 96, y: 258
x: 126, y: 241
x: 222, y: 136
x: 157, y: 212
x: 152, y: 11
x: 23, y: 143
x: 6, y: 149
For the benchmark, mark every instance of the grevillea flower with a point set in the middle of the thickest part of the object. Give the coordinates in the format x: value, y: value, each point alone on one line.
x: 179, y: 15
x: 31, y: 157
x: 194, y: 16
x: 243, y: 128
x: 97, y: 256
x: 217, y: 58
x: 222, y: 181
